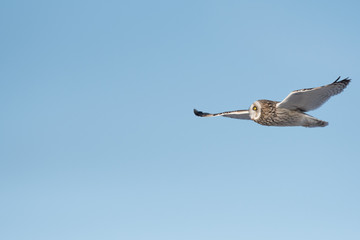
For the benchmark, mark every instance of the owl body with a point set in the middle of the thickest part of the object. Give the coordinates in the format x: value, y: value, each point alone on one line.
x: 291, y: 110
x: 266, y: 112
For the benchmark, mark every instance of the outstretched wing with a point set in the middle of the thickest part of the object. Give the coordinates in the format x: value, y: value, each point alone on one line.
x: 239, y: 114
x: 311, y: 98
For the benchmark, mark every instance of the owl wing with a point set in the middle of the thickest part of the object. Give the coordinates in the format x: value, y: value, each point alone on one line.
x: 311, y: 98
x: 239, y: 114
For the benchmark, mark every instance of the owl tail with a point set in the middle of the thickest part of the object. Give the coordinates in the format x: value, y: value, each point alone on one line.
x: 310, y: 121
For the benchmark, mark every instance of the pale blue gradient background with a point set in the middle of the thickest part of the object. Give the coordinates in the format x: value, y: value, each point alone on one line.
x: 98, y: 139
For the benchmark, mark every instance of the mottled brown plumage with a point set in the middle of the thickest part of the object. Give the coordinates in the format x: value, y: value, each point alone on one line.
x: 267, y: 113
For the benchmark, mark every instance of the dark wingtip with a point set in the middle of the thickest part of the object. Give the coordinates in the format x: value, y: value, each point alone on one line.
x: 345, y: 80
x: 198, y: 113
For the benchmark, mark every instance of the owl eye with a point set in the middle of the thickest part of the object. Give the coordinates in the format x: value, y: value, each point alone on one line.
x: 254, y: 108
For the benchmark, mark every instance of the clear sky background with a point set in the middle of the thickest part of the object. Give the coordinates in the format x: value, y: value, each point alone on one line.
x: 98, y: 139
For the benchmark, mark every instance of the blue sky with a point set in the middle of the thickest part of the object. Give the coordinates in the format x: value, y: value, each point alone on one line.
x: 98, y: 139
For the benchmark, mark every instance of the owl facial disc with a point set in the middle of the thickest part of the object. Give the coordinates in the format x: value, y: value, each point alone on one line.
x: 255, y: 110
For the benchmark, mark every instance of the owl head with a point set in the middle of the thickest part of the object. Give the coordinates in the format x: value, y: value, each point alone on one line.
x: 255, y: 110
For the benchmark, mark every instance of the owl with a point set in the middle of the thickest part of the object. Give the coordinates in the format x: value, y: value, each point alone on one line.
x: 289, y: 112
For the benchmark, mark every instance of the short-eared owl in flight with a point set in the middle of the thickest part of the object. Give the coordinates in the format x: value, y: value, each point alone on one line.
x: 291, y: 110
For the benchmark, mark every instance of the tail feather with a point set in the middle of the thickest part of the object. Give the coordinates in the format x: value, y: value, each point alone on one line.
x: 310, y: 121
